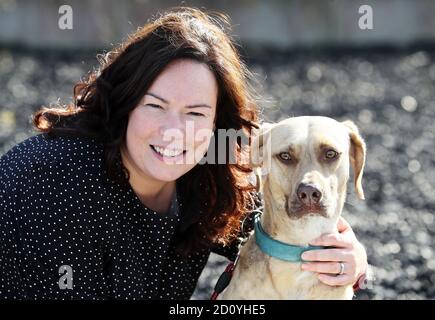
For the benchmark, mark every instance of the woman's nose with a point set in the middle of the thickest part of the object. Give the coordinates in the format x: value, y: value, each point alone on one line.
x: 173, y: 126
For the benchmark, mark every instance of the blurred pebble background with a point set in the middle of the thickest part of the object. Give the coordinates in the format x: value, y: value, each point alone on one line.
x: 386, y: 90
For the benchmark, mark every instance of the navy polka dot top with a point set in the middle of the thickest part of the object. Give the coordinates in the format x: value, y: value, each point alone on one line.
x: 68, y: 232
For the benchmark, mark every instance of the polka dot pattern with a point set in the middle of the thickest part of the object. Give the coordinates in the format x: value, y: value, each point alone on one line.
x: 58, y: 208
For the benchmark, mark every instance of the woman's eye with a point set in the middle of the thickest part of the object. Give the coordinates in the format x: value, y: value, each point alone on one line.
x: 156, y: 106
x: 331, y: 154
x: 285, y: 156
x: 196, y: 114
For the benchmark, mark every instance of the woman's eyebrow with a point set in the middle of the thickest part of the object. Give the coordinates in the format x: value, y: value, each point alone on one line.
x: 157, y: 97
x: 202, y: 105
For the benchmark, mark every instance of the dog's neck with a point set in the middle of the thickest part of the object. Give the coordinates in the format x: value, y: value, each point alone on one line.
x: 301, y: 231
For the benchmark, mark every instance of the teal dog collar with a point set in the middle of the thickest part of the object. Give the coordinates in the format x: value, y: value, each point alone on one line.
x: 278, y: 249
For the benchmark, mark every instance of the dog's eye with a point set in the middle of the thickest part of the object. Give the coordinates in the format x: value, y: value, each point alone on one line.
x: 285, y: 156
x: 331, y: 154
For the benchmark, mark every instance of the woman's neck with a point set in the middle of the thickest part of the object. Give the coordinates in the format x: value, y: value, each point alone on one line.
x: 154, y: 194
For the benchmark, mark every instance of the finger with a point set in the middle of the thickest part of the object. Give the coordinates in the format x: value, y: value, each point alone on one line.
x: 323, y: 267
x: 335, y: 281
x: 332, y: 240
x: 326, y: 255
x: 343, y: 225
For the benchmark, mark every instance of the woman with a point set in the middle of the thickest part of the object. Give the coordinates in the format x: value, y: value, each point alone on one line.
x: 110, y: 200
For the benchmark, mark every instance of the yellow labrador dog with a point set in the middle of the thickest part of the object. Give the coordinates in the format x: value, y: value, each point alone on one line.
x: 305, y: 163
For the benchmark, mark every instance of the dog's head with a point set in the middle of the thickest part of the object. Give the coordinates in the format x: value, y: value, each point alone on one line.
x: 305, y: 164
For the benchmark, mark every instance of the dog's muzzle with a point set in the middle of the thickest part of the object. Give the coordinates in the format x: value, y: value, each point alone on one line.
x: 308, y: 201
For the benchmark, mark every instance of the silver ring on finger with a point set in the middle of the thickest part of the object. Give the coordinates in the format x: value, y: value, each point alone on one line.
x: 341, y: 268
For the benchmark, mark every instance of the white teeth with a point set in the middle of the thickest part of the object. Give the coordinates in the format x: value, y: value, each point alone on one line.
x: 168, y: 152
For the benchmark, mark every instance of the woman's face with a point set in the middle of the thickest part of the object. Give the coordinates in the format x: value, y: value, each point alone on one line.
x: 169, y: 131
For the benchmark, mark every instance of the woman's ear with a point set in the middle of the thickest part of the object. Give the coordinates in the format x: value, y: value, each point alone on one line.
x: 357, y: 155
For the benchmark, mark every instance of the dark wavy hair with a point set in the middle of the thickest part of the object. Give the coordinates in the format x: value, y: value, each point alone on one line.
x: 215, y: 197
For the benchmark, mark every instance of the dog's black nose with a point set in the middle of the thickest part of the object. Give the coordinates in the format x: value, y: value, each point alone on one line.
x: 308, y: 194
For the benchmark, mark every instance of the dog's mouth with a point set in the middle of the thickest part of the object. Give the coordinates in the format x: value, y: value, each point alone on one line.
x: 298, y: 210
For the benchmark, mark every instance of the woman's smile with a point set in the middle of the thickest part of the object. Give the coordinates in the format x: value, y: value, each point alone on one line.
x: 168, y: 155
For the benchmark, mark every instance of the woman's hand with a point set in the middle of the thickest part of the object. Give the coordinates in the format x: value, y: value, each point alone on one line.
x: 326, y: 262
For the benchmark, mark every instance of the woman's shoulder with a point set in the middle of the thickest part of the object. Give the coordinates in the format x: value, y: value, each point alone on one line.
x: 54, y: 178
x: 42, y: 150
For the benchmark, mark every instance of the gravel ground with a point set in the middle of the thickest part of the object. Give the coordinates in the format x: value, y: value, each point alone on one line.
x: 387, y: 93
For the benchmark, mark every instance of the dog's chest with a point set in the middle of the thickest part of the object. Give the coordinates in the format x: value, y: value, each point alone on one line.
x: 291, y: 282
x: 281, y: 280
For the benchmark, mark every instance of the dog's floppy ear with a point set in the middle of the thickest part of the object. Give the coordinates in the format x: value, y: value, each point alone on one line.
x: 258, y: 142
x: 357, y: 155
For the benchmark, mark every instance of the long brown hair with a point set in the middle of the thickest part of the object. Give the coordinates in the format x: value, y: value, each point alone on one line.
x: 215, y: 196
